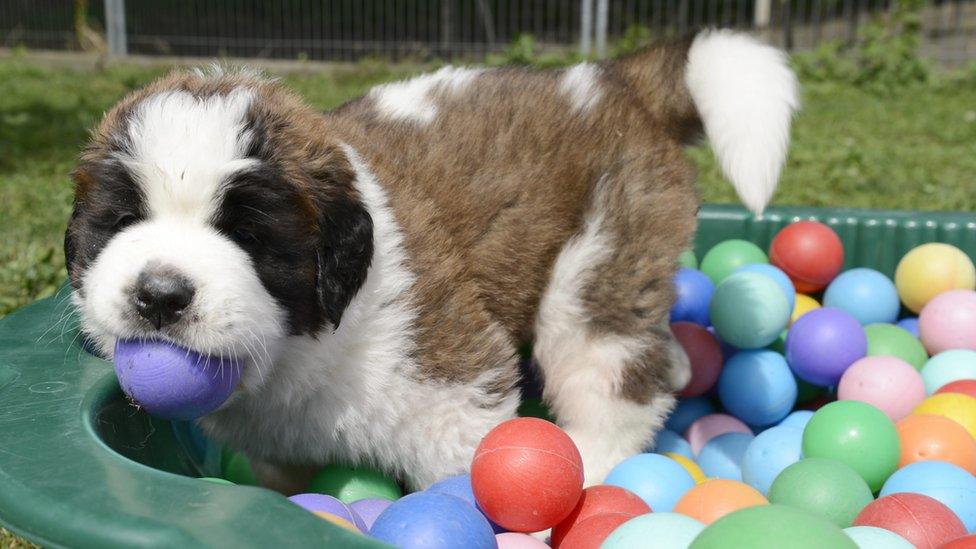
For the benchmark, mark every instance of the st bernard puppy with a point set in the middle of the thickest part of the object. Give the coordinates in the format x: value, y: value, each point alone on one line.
x: 377, y: 266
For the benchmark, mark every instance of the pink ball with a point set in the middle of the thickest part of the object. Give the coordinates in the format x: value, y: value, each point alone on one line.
x: 949, y: 322
x: 708, y: 427
x: 888, y: 383
x: 513, y: 540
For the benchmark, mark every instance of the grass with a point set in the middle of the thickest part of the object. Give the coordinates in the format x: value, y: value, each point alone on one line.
x: 914, y: 148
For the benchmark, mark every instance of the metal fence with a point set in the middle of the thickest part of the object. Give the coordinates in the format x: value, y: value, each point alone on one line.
x: 423, y: 29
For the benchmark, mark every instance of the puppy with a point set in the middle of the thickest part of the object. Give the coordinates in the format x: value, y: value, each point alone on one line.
x: 377, y: 265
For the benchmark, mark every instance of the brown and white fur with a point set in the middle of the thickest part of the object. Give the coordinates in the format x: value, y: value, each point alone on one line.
x: 377, y: 265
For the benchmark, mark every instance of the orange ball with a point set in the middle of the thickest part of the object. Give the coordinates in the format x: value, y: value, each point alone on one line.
x: 713, y: 499
x: 926, y: 437
x: 338, y: 521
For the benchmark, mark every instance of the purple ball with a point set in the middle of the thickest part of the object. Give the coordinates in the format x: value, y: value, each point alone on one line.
x: 693, y: 291
x: 328, y: 504
x: 368, y: 509
x: 173, y: 382
x: 823, y: 343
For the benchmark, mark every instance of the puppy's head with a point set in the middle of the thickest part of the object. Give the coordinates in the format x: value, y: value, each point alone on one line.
x: 215, y: 212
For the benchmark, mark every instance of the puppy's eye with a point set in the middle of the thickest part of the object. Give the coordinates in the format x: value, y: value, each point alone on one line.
x: 124, y: 220
x: 243, y: 237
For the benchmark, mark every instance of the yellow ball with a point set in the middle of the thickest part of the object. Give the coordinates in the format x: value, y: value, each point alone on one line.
x: 337, y: 520
x: 955, y: 406
x: 930, y: 270
x: 693, y: 469
x: 804, y: 304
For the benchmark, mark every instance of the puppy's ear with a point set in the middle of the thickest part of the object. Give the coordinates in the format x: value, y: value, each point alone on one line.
x: 345, y: 239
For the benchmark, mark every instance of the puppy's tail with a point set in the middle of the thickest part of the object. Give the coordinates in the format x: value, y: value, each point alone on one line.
x: 739, y: 90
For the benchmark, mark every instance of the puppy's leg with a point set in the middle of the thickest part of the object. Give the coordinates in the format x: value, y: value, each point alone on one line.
x: 609, y: 361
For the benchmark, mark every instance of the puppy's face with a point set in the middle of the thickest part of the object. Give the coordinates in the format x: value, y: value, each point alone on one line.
x: 210, y: 212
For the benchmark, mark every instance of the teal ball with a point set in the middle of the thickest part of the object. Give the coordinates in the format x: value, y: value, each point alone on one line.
x: 749, y: 310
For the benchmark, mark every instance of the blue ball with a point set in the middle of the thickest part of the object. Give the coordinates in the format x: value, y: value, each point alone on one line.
x: 777, y: 275
x: 769, y: 453
x: 459, y: 486
x: 950, y: 484
x: 910, y: 325
x: 433, y: 520
x: 757, y: 387
x: 798, y: 419
x: 694, y: 294
x: 658, y: 480
x: 669, y: 441
x: 721, y: 457
x: 866, y: 294
x: 686, y: 412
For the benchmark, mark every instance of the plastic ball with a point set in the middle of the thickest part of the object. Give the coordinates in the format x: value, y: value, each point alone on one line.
x: 667, y: 441
x: 932, y: 269
x: 866, y: 294
x: 514, y: 540
x: 725, y: 257
x: 687, y: 412
x: 708, y: 427
x: 658, y: 480
x: 825, y: 487
x: 809, y: 252
x: 921, y: 520
x: 926, y: 437
x: 689, y: 464
x: 321, y: 503
x: 687, y: 259
x: 757, y: 387
x: 949, y: 366
x: 693, y: 293
x: 965, y: 542
x: 872, y: 537
x: 369, y: 509
x: 963, y: 387
x: 889, y: 340
x: 349, y: 484
x: 772, y: 527
x: 668, y: 530
x: 459, y: 486
x: 721, y: 457
x: 600, y: 500
x: 823, y: 344
x: 338, y: 521
x: 704, y: 354
x: 955, y: 406
x: 909, y: 324
x: 804, y: 304
x: 527, y: 475
x: 235, y: 467
x: 174, y: 382
x: 749, y: 310
x: 798, y: 419
x: 950, y: 484
x: 776, y: 275
x: 856, y: 434
x: 713, y: 499
x: 888, y: 383
x: 948, y: 321
x: 772, y: 451
x: 433, y: 520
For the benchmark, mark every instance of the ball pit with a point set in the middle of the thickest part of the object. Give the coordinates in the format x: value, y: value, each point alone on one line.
x: 708, y: 427
x: 772, y: 527
x: 595, y: 501
x: 866, y: 294
x: 871, y: 537
x: 749, y: 310
x: 668, y: 530
x: 955, y: 406
x: 757, y: 387
x: 689, y: 464
x: 693, y: 294
x: 721, y: 457
x: 804, y: 304
x: 950, y: 484
x: 433, y: 520
x: 658, y: 480
x: 824, y: 487
x: 947, y: 367
x: 948, y: 321
x: 713, y: 499
x: 726, y: 257
x: 930, y: 270
x: 823, y: 343
x: 963, y: 387
x: 369, y: 509
x: 772, y: 451
x: 349, y: 484
x: 886, y: 382
x: 889, y: 340
x: 921, y: 520
x: 909, y: 324
x: 776, y: 275
x: 809, y: 252
x: 320, y: 503
x: 669, y: 442
x: 926, y: 437
x: 688, y: 411
x: 704, y: 354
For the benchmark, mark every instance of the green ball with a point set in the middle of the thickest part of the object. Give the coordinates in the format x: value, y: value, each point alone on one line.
x: 349, y: 484
x: 534, y: 407
x: 723, y: 259
x: 236, y: 468
x: 824, y: 487
x: 890, y: 340
x: 772, y: 527
x: 857, y: 434
x: 216, y: 480
x: 688, y: 259
x: 749, y: 310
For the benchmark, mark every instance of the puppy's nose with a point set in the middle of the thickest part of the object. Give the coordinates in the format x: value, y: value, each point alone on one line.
x: 162, y: 297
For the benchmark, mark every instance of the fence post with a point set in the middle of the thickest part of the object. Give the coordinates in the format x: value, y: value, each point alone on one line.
x: 586, y: 27
x: 602, y: 16
x: 115, y: 28
x: 760, y: 17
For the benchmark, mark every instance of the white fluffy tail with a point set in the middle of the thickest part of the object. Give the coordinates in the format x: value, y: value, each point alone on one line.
x: 746, y: 94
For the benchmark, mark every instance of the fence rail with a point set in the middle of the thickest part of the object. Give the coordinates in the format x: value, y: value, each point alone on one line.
x: 352, y: 29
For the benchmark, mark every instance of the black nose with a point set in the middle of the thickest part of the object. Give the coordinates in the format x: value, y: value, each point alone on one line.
x: 162, y: 297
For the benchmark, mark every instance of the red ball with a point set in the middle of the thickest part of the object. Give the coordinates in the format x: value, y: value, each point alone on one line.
x: 810, y: 253
x: 962, y: 386
x: 705, y: 354
x: 527, y: 475
x: 923, y: 521
x: 600, y: 500
x: 590, y: 533
x: 967, y: 542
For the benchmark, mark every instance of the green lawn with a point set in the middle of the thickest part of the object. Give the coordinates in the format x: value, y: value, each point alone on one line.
x: 912, y: 149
